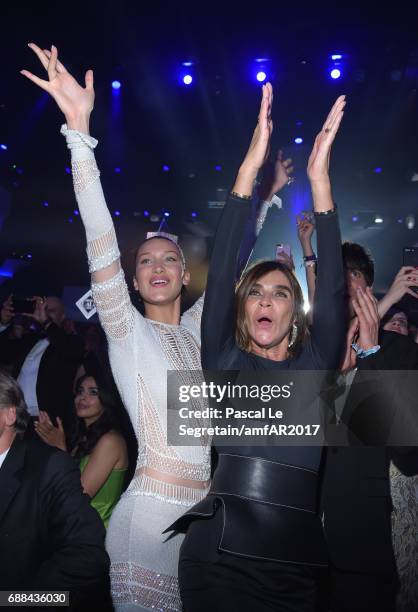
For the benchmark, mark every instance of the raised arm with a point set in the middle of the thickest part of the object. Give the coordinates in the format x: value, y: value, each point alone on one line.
x: 406, y: 278
x: 328, y: 322
x: 218, y: 311
x: 275, y: 176
x: 76, y: 102
x: 305, y: 231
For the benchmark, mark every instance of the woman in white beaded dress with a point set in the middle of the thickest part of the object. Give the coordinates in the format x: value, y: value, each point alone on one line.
x: 167, y: 479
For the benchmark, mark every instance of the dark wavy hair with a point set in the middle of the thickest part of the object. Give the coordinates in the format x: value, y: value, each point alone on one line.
x: 251, y: 276
x: 83, y: 438
x: 11, y: 396
x: 357, y: 257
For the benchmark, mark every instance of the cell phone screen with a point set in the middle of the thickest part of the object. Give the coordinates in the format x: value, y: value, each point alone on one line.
x: 410, y: 258
x: 23, y: 305
x: 283, y: 248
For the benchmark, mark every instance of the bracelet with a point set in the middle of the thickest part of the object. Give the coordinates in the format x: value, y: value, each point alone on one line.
x: 241, y: 196
x: 309, y: 257
x: 361, y: 353
x: 325, y: 212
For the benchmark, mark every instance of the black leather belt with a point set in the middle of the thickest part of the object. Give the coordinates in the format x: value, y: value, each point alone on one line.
x: 268, y: 511
x: 265, y: 481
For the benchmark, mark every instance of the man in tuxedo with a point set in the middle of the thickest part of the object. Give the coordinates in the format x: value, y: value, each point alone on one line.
x: 356, y: 498
x: 51, y: 539
x: 44, y: 362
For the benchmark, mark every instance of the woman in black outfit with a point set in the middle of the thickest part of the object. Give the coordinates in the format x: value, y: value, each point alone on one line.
x: 256, y: 542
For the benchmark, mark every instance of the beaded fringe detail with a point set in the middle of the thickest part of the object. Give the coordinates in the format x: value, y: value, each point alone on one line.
x: 132, y: 583
x: 172, y: 493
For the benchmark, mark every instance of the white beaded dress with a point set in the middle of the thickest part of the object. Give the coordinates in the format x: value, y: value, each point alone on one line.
x: 143, y: 561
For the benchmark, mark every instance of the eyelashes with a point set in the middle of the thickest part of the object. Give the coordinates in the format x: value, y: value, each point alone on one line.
x: 148, y: 261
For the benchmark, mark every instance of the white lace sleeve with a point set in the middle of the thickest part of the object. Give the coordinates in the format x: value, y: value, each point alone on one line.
x: 263, y: 210
x: 111, y: 295
x: 193, y: 315
x: 114, y: 306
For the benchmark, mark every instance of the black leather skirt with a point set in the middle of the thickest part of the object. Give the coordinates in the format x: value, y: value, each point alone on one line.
x: 269, y: 511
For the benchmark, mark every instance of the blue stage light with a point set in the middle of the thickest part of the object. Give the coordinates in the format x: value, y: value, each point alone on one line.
x: 354, y: 218
x: 68, y: 170
x: 76, y: 213
x: 5, y: 273
x: 117, y: 213
x: 146, y: 213
x: 166, y: 214
x: 218, y: 168
x: 194, y: 214
x: 335, y: 73
x: 336, y: 56
x: 261, y: 76
x: 187, y: 79
x: 116, y: 85
x: 45, y: 204
x: 117, y: 170
x: 378, y: 170
x: 298, y: 140
x: 166, y: 168
x: 3, y: 146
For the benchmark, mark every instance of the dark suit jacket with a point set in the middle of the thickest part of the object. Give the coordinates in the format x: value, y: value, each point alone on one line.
x: 57, y: 368
x: 50, y: 536
x: 356, y: 496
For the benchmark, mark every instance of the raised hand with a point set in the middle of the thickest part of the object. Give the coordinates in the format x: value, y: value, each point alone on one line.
x: 365, y: 307
x: 318, y: 164
x: 286, y: 260
x: 39, y: 314
x: 305, y: 230
x: 259, y: 148
x: 406, y: 278
x: 54, y: 436
x: 75, y: 101
x: 275, y: 176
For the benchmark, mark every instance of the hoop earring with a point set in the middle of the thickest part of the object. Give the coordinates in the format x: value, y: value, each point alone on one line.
x: 293, y: 335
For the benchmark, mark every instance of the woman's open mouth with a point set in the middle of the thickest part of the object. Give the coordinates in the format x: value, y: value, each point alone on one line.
x: 264, y: 322
x: 159, y: 282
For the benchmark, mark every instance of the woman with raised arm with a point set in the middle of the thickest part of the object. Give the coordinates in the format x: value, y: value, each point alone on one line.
x: 256, y: 541
x: 141, y: 349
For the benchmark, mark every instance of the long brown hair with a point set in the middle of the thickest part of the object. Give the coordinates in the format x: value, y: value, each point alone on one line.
x: 242, y: 291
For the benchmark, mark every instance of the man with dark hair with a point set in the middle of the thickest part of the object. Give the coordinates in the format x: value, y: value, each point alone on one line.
x: 358, y: 258
x: 356, y: 496
x: 51, y: 539
x: 359, y: 271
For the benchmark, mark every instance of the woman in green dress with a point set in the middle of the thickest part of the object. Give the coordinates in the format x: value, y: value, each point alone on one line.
x: 95, y: 443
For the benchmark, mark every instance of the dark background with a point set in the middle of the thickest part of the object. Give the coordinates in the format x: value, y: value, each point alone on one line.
x: 155, y: 121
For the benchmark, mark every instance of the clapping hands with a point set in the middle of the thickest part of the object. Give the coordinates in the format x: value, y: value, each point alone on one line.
x: 54, y: 436
x: 318, y: 164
